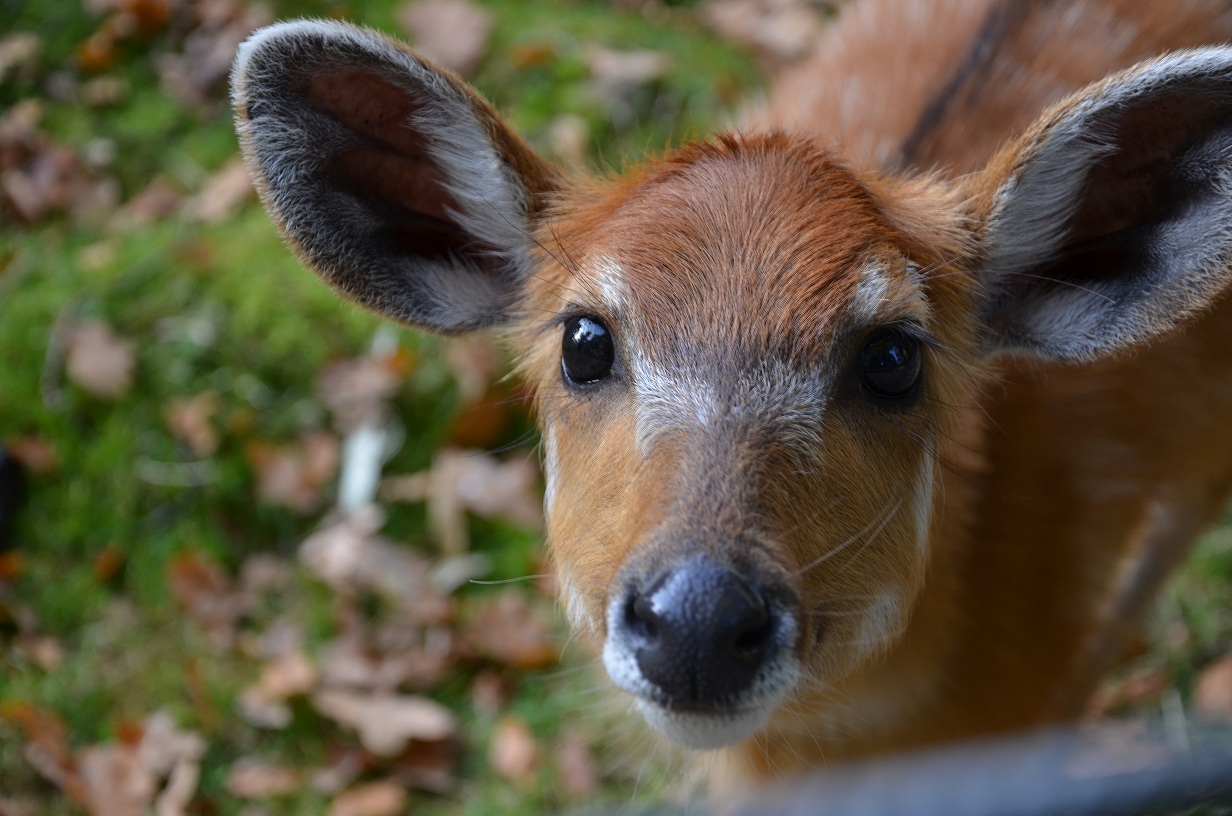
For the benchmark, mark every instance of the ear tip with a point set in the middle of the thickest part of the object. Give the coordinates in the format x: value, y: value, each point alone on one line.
x: 271, y: 41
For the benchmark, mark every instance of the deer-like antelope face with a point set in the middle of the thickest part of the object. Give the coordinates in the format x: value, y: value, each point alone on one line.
x: 738, y: 375
x: 745, y: 356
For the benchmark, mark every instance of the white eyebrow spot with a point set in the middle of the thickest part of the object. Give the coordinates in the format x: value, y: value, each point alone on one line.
x: 608, y: 277
x: 885, y: 294
x: 872, y: 290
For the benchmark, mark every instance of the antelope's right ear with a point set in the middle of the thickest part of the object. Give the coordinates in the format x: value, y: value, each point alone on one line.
x: 390, y: 177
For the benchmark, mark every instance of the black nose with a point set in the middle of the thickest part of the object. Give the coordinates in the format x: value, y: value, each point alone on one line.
x: 700, y: 633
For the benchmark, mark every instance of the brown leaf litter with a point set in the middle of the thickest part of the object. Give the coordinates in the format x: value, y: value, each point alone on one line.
x: 454, y: 33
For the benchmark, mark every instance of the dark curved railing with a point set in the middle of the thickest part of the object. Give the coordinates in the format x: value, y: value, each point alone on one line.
x: 1105, y: 771
x: 1119, y: 769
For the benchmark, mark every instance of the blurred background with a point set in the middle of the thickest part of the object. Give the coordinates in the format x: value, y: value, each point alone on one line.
x: 189, y: 623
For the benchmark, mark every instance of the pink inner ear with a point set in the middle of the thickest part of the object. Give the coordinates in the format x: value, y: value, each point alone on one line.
x: 389, y: 161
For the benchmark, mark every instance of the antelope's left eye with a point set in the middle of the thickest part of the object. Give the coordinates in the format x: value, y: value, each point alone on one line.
x: 891, y: 363
x: 587, y: 351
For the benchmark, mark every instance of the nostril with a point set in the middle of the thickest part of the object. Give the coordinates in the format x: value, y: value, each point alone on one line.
x: 752, y: 634
x: 640, y: 618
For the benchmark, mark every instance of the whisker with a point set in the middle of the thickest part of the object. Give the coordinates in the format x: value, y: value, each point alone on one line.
x: 881, y: 525
x: 500, y: 581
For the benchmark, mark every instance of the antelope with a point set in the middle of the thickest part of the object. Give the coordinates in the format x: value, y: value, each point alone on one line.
x: 875, y: 423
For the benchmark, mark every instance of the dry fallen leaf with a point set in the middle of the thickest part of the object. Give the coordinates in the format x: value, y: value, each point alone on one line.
x: 206, y: 594
x: 461, y: 480
x: 171, y: 753
x: 156, y: 202
x: 513, y: 753
x: 251, y: 778
x: 386, y: 722
x: 98, y: 361
x: 263, y: 712
x: 510, y: 631
x: 19, y: 55
x: 357, y: 391
x: 350, y: 661
x: 46, y: 748
x: 569, y: 139
x: 107, y: 563
x: 579, y: 776
x: 163, y: 745
x: 485, y: 423
x: 342, y: 770
x: 36, y: 453
x: 191, y: 421
x: 490, y: 692
x: 11, y: 565
x: 1213, y: 690
x: 289, y: 674
x: 614, y: 71
x: 262, y: 573
x: 475, y: 363
x: 201, y: 68
x: 429, y: 766
x: 37, y: 176
x: 116, y: 782
x: 780, y: 30
x: 222, y: 195
x: 294, y: 475
x: 178, y: 793
x: 452, y: 32
x: 384, y: 798
x: 43, y: 651
x: 19, y: 807
x: 349, y: 556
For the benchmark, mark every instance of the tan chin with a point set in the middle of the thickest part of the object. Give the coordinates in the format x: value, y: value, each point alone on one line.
x: 704, y: 731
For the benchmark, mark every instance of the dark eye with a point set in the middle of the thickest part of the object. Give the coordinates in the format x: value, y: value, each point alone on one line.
x: 891, y: 364
x: 587, y: 351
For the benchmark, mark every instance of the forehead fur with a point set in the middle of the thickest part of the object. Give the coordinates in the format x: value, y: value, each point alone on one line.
x: 768, y: 235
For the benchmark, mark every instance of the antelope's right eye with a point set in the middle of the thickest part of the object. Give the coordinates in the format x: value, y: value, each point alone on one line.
x: 587, y: 351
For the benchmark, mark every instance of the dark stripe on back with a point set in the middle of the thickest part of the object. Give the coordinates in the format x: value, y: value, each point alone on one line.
x: 1003, y: 17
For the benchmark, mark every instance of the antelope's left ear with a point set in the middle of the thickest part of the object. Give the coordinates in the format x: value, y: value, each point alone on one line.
x: 1110, y: 221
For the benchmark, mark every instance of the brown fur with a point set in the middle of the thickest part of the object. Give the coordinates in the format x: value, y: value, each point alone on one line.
x: 1057, y: 482
x: 735, y: 276
x: 877, y: 71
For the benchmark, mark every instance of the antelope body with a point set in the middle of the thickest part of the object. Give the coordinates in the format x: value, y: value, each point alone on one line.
x: 876, y: 424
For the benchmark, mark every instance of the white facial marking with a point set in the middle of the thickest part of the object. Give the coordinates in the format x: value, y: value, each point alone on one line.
x: 704, y: 731
x: 872, y: 290
x: 608, y: 278
x: 773, y: 394
x: 886, y: 293
x: 574, y: 605
x: 880, y: 624
x: 551, y: 469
